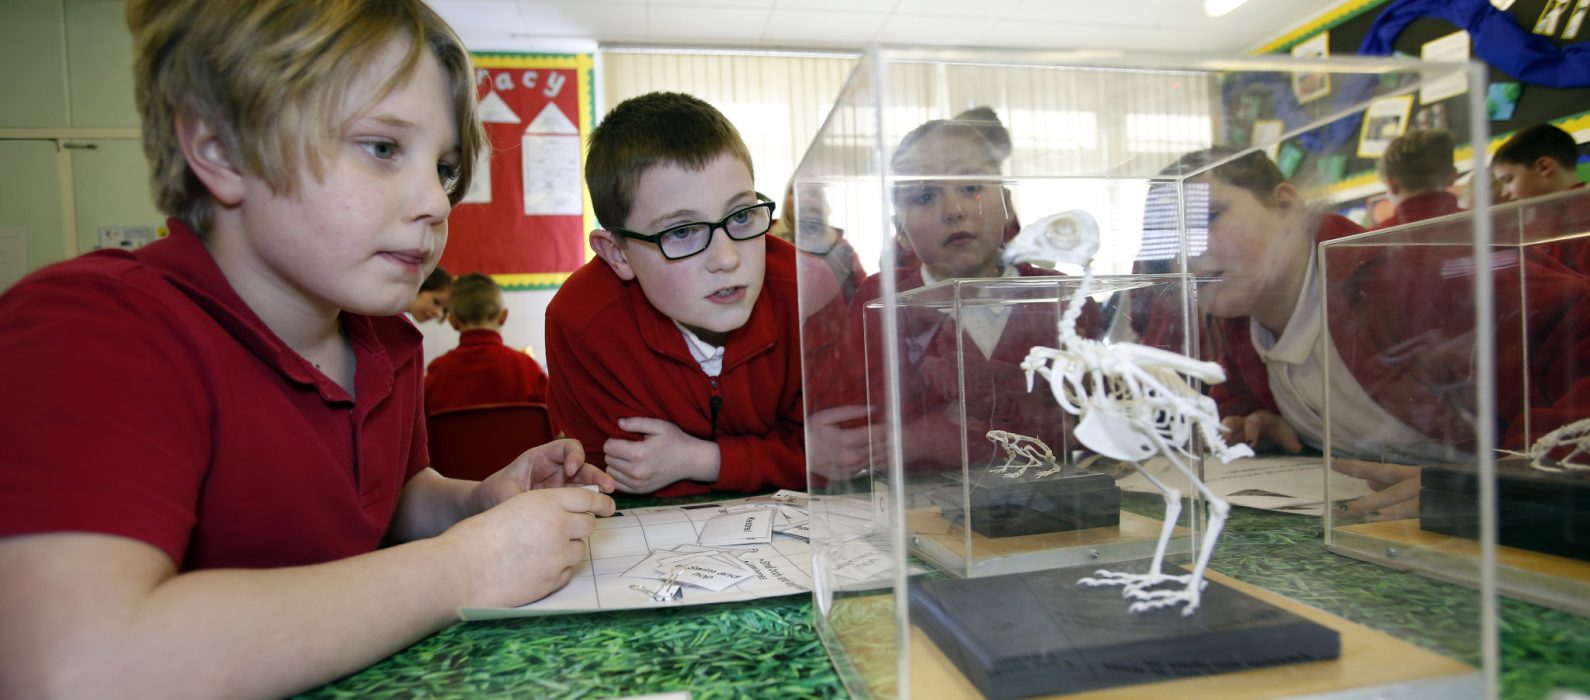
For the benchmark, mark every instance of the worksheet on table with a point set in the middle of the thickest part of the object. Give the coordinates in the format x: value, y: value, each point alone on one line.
x: 619, y: 573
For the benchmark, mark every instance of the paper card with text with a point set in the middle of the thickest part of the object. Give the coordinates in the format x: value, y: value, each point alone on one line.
x: 751, y: 527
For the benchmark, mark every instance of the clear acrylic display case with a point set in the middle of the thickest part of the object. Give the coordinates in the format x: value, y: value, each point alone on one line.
x: 1527, y: 467
x: 913, y: 353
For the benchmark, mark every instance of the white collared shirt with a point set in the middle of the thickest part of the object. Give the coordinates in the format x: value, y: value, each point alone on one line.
x: 1295, y: 364
x: 710, y: 356
x: 984, y: 323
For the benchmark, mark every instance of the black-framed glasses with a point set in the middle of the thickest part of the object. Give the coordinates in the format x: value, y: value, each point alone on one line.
x: 682, y: 241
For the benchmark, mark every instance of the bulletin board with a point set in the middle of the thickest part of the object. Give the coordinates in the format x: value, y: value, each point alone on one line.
x: 1346, y: 164
x: 525, y: 216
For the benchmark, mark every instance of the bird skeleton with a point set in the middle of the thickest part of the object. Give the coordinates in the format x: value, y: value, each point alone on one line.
x: 1133, y: 402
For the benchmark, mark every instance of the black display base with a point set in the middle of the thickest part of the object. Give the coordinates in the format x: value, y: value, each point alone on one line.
x: 1040, y: 633
x: 1535, y: 510
x: 1073, y: 499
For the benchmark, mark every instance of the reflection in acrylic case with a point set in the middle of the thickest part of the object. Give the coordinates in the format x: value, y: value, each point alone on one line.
x: 1418, y: 356
x: 932, y: 570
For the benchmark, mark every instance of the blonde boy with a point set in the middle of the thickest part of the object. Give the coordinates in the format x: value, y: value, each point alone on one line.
x: 675, y: 357
x: 209, y: 439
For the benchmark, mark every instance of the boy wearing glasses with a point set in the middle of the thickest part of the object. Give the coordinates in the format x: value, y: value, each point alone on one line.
x: 675, y: 357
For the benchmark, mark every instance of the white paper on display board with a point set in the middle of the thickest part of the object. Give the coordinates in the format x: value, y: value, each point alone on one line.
x: 1453, y: 47
x: 551, y: 162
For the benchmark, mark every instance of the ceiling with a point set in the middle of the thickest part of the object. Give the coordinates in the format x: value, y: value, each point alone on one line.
x: 1153, y: 25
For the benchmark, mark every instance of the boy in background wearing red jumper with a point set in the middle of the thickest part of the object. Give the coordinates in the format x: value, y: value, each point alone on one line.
x: 209, y: 440
x: 675, y: 356
x: 1417, y: 171
x: 481, y: 370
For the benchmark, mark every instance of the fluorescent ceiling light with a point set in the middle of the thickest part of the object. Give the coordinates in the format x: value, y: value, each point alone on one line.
x: 1219, y: 8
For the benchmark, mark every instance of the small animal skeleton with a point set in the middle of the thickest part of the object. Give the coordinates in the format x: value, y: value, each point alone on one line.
x: 1575, y: 435
x: 1022, y: 452
x: 1134, y: 402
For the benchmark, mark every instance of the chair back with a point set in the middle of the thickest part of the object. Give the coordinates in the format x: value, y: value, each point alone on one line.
x: 476, y: 441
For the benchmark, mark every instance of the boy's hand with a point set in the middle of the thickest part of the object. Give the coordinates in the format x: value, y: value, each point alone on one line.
x: 527, y: 546
x: 1262, y: 430
x: 836, y: 452
x: 664, y: 455
x: 1396, y: 487
x: 555, y: 464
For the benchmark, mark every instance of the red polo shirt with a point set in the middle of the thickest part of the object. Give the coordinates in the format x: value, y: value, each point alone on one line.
x: 143, y: 398
x: 613, y: 355
x: 482, y: 370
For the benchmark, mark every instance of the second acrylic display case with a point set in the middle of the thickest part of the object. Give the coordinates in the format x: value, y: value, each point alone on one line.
x: 1416, y: 357
x: 948, y: 542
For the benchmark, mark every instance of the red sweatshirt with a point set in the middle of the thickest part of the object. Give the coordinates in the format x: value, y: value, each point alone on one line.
x: 481, y: 370
x: 612, y: 355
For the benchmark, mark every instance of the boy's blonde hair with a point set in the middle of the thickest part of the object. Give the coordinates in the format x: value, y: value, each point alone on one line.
x: 269, y: 76
x: 658, y: 128
x: 475, y: 299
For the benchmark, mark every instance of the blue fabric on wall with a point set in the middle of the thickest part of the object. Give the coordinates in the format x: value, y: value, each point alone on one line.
x: 1498, y: 40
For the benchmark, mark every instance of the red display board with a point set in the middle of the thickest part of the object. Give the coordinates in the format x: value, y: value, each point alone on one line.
x: 525, y: 218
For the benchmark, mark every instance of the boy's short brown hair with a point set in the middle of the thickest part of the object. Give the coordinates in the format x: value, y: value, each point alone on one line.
x: 1420, y: 161
x: 657, y: 128
x: 1539, y: 141
x: 475, y: 299
x: 269, y: 76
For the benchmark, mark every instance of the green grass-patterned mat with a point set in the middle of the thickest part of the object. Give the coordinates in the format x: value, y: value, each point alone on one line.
x: 768, y: 648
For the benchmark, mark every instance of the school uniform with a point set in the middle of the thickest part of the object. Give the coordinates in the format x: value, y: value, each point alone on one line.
x: 613, y: 355
x: 1401, y: 323
x: 1425, y: 205
x: 481, y: 370
x: 1541, y: 220
x: 144, y: 399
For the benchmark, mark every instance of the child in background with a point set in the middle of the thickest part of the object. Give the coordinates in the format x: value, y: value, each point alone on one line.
x: 209, y: 440
x: 676, y: 355
x: 481, y: 370
x: 1401, y: 323
x: 956, y: 228
x: 1417, y: 171
x: 1538, y: 161
x: 431, y: 303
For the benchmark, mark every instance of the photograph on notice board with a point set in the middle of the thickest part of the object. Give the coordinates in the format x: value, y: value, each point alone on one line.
x: 1550, y: 15
x: 1501, y: 99
x: 1384, y: 121
x: 1431, y: 117
x: 1312, y: 86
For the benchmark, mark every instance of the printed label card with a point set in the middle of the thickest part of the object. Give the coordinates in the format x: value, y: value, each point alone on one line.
x: 751, y: 527
x: 713, y: 573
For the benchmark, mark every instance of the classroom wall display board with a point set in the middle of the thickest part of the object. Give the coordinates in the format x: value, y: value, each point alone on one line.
x: 526, y: 214
x: 1537, y: 54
